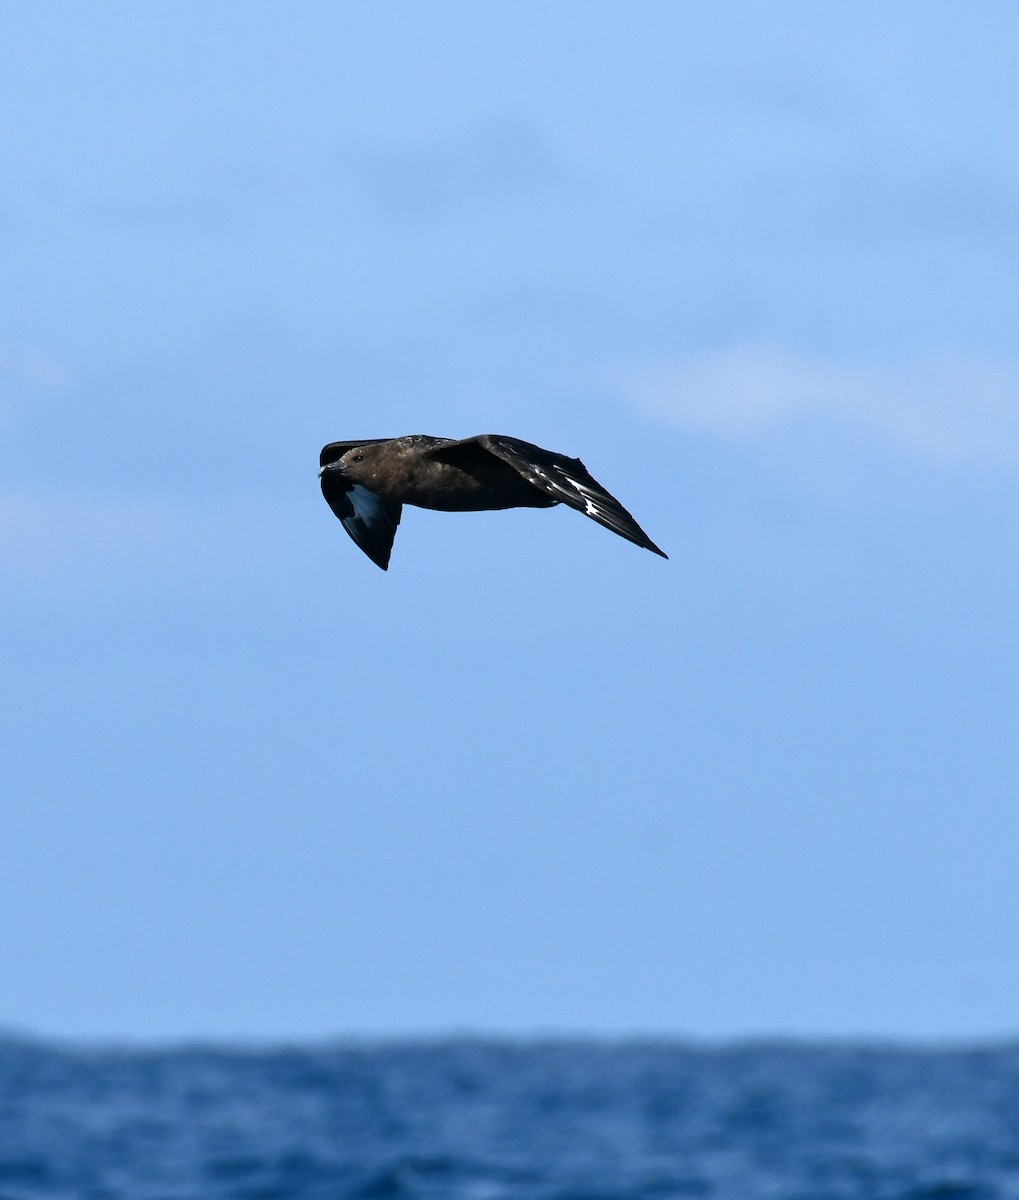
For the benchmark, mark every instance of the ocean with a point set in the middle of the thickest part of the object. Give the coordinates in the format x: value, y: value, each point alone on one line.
x: 486, y: 1120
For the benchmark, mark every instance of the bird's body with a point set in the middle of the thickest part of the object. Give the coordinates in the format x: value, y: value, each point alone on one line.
x: 367, y: 482
x: 411, y: 470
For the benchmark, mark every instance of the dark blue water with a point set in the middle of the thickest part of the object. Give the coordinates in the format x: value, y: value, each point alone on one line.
x: 467, y: 1120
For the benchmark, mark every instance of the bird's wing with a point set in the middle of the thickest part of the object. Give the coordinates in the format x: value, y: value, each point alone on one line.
x: 329, y: 454
x: 461, y: 452
x: 369, y: 519
x: 569, y: 481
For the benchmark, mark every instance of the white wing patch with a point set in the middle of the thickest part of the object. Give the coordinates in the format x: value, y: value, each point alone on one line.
x: 567, y: 481
x: 591, y: 507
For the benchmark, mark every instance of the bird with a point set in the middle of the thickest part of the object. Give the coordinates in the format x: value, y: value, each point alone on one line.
x: 367, y: 482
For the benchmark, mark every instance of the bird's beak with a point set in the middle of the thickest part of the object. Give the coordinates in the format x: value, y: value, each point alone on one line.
x: 333, y: 466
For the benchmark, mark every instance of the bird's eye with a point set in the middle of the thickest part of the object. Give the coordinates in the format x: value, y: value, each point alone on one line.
x: 358, y: 458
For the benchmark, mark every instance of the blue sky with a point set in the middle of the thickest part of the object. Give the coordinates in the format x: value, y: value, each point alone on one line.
x: 756, y: 264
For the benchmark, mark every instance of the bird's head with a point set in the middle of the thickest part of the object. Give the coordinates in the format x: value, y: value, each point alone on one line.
x: 358, y: 465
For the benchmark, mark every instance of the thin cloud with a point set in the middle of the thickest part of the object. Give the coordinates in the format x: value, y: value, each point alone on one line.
x: 72, y: 544
x: 944, y: 407
x: 24, y: 378
x: 23, y: 375
x: 44, y: 537
x: 499, y: 163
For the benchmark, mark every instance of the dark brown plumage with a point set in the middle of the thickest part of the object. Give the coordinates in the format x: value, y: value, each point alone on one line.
x: 366, y: 483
